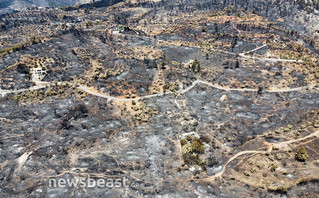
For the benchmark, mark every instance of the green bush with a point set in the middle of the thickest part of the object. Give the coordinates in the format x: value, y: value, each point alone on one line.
x: 196, y: 66
x: 50, y: 92
x: 197, y: 146
x: 273, y: 167
x: 301, y: 154
x: 192, y: 147
x: 183, y: 142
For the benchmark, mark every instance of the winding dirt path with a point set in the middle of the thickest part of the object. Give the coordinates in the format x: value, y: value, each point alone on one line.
x: 258, y: 48
x: 280, y: 145
x: 219, y: 175
x: 284, y: 145
x: 87, y: 90
x: 42, y: 84
x: 242, y: 55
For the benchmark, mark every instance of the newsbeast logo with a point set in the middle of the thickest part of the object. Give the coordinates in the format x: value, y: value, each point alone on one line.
x: 89, y: 182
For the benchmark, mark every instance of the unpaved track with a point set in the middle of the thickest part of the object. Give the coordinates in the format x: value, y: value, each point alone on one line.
x: 188, y: 89
x: 280, y: 145
x: 41, y: 84
x: 87, y: 90
x: 284, y: 145
x: 258, y: 48
x: 242, y: 55
x: 270, y: 59
x: 219, y: 175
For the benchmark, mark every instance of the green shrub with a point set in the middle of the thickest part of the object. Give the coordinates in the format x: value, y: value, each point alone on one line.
x: 195, y: 66
x: 197, y: 146
x: 192, y: 147
x: 183, y: 142
x: 301, y: 154
x: 50, y: 92
x: 273, y: 167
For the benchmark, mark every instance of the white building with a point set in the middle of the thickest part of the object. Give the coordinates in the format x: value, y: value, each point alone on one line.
x: 37, y: 74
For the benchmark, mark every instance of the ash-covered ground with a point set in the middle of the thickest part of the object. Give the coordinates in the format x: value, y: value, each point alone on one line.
x: 179, y: 99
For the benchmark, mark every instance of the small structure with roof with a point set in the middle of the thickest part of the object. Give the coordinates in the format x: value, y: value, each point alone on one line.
x: 37, y: 74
